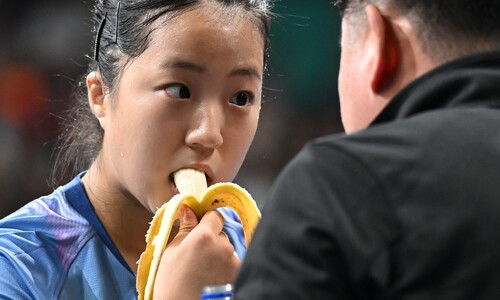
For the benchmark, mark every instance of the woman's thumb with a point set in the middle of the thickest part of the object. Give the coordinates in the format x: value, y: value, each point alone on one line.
x: 187, y: 220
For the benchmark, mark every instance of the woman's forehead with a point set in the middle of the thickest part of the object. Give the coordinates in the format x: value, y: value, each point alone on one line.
x: 196, y: 38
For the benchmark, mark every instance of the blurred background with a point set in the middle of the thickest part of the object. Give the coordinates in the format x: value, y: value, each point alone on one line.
x: 43, y: 45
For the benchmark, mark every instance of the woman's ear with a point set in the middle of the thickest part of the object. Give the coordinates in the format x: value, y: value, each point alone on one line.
x: 385, y: 50
x: 97, y: 97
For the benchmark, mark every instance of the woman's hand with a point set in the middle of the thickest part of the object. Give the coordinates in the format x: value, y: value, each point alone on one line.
x: 199, y: 255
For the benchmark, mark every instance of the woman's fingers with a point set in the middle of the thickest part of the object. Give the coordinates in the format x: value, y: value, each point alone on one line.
x: 198, y: 256
x: 213, y: 220
x: 187, y: 222
x: 187, y: 219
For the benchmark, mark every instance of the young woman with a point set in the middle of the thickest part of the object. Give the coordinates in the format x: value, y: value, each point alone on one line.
x: 172, y: 84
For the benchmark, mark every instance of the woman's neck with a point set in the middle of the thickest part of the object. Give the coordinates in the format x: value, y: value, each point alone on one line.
x: 125, y: 220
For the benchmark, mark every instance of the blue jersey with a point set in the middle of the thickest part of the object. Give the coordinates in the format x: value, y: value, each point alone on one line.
x: 56, y: 248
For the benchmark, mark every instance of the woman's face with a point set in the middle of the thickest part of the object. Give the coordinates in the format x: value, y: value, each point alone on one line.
x: 191, y: 100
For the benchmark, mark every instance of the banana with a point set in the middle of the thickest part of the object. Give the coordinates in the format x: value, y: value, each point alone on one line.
x: 194, y: 192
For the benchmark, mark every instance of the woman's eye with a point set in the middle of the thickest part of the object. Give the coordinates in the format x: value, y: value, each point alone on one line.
x: 178, y: 91
x: 241, y: 98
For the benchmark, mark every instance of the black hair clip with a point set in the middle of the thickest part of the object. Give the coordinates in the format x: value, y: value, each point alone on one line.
x: 98, y: 37
x: 101, y: 28
x: 117, y: 21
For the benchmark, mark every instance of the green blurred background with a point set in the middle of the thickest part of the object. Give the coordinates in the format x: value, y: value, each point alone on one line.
x: 305, y: 51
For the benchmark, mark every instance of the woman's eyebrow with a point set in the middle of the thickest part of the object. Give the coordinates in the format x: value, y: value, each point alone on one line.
x: 246, y: 71
x: 187, y: 65
x: 183, y: 64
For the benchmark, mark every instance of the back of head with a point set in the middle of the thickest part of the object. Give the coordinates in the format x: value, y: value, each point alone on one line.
x: 446, y: 29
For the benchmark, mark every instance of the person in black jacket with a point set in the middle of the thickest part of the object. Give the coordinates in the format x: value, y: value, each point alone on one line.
x: 406, y: 205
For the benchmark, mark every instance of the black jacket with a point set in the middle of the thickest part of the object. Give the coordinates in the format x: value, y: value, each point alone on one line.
x: 406, y: 209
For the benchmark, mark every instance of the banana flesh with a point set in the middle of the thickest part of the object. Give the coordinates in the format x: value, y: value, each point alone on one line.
x: 193, y: 191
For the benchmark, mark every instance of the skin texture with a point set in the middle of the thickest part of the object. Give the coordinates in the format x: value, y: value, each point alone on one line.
x: 380, y: 55
x: 154, y: 127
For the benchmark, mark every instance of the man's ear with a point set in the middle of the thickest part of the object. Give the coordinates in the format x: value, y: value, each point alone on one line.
x: 386, y: 54
x: 97, y: 97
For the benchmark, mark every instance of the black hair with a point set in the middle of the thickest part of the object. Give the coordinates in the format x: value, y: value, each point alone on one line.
x: 121, y: 33
x: 446, y: 28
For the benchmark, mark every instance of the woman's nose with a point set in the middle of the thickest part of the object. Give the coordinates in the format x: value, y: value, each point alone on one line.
x: 206, y: 128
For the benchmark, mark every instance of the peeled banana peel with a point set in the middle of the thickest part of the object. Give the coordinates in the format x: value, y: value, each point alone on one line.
x: 193, y: 191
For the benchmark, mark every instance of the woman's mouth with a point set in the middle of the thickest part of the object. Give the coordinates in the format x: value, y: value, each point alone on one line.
x: 190, y: 181
x: 172, y: 178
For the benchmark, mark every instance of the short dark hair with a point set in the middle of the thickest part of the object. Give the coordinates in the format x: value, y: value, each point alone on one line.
x: 447, y: 28
x: 121, y: 32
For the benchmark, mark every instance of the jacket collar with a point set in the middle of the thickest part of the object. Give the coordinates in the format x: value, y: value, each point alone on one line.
x: 473, y: 80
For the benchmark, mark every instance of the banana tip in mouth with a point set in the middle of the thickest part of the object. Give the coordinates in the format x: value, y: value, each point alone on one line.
x: 188, y: 174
